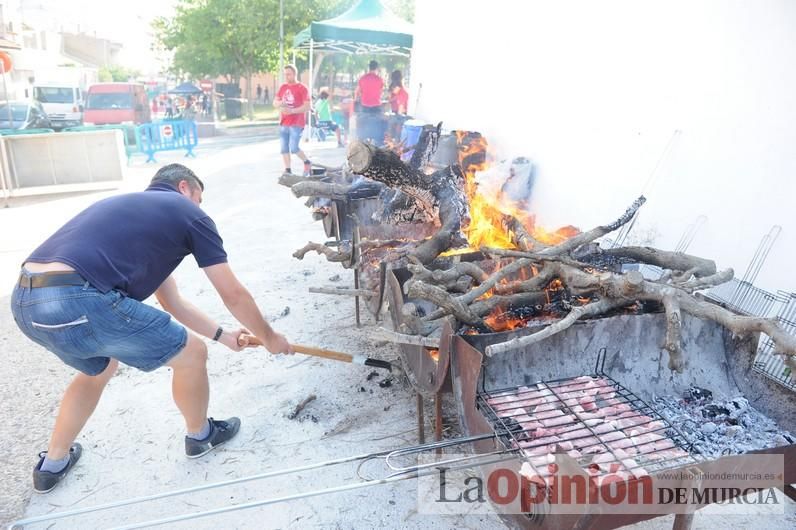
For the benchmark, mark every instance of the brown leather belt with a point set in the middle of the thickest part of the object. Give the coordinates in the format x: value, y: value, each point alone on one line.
x: 50, y: 279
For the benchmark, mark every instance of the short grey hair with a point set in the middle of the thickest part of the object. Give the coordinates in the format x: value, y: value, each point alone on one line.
x: 175, y: 173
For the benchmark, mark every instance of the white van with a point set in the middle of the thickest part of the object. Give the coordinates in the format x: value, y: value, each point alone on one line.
x: 62, y: 103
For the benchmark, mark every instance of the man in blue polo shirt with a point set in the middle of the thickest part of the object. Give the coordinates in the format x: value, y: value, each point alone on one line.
x: 80, y: 295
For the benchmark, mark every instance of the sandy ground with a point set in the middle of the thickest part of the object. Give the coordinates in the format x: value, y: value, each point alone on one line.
x: 133, y: 443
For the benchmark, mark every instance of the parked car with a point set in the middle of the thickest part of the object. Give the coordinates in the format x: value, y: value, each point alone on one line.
x: 62, y: 103
x: 24, y: 115
x: 116, y: 103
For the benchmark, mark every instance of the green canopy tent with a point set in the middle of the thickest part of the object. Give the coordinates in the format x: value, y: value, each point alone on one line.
x: 367, y: 28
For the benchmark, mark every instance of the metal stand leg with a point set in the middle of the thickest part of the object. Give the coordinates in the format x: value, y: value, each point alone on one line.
x: 438, y: 419
x: 356, y: 298
x: 421, y: 429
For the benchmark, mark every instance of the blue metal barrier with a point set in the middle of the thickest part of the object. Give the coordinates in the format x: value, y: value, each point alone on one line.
x: 169, y: 135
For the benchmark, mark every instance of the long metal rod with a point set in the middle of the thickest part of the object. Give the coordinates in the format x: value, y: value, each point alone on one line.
x: 306, y: 495
x: 193, y: 489
x: 415, y: 449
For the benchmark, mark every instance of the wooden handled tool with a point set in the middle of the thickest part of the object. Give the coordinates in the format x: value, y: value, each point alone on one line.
x: 329, y: 354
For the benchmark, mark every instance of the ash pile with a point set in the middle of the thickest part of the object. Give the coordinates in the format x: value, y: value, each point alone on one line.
x: 721, y: 427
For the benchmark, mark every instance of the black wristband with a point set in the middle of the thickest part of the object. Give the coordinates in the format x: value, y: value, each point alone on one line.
x: 217, y: 336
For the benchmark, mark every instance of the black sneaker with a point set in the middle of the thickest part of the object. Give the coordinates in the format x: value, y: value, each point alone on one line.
x: 44, y: 481
x: 220, y: 433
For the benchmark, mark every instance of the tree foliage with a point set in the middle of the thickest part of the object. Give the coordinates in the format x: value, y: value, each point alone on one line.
x: 234, y: 38
x: 118, y: 74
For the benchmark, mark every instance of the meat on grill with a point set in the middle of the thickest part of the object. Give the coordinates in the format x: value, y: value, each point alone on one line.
x: 588, y: 419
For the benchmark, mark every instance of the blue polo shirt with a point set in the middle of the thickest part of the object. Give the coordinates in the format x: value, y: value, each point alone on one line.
x: 133, y: 242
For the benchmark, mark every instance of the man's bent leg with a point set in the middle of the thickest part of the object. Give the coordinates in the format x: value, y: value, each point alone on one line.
x: 77, y: 405
x: 189, y: 385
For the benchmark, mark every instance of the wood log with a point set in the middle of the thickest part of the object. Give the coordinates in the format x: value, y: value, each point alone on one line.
x: 443, y: 300
x: 447, y: 276
x: 519, y: 235
x: 619, y: 290
x: 577, y: 313
x: 698, y: 284
x: 673, y: 340
x: 337, y: 256
x: 290, y: 179
x: 363, y: 189
x: 440, y: 195
x: 403, y: 338
x: 308, y: 188
x: 587, y: 237
x: 676, y: 261
x: 426, y: 146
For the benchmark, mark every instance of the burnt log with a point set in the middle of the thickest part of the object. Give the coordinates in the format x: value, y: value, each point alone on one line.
x: 440, y: 195
x: 426, y: 146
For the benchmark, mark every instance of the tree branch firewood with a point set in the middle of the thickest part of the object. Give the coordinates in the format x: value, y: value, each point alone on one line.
x: 698, y: 284
x: 673, y: 341
x: 290, y: 179
x: 676, y: 261
x: 577, y: 313
x: 447, y: 276
x: 360, y: 190
x: 618, y: 290
x: 587, y: 237
x: 344, y: 254
x: 403, y: 338
x: 442, y: 299
x: 519, y: 235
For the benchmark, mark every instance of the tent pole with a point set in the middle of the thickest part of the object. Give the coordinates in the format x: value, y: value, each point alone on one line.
x: 282, y: 43
x: 309, y: 112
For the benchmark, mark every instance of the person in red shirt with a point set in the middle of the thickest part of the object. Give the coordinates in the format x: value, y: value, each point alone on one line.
x: 369, y: 88
x: 293, y: 101
x: 399, y: 97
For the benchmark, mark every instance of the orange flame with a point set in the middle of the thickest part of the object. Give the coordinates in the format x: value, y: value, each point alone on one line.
x: 434, y: 354
x: 489, y: 205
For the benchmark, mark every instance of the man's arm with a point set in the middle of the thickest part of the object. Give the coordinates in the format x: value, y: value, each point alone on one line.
x: 191, y: 316
x: 243, y: 307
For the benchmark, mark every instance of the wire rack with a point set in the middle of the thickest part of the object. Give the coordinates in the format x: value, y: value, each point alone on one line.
x: 548, y: 417
x: 766, y: 362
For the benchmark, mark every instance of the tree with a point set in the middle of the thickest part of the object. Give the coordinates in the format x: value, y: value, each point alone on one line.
x: 234, y: 39
x: 119, y: 74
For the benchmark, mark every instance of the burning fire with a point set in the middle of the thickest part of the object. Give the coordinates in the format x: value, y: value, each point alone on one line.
x: 488, y: 206
x: 488, y: 203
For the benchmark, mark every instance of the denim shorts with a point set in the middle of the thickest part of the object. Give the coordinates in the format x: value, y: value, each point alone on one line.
x: 290, y: 137
x: 86, y: 328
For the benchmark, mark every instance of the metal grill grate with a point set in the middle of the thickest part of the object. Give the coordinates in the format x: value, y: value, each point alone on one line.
x: 766, y: 362
x: 594, y: 419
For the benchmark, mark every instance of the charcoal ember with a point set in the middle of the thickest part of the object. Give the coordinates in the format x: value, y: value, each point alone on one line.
x: 697, y: 394
x: 738, y: 406
x: 733, y: 426
x: 714, y: 411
